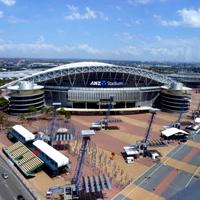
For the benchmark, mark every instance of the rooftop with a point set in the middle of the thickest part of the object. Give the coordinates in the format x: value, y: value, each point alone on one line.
x: 52, y: 153
x: 24, y: 132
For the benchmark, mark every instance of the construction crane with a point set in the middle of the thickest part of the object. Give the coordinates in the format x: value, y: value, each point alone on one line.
x: 53, y: 121
x: 106, y: 118
x: 146, y: 137
x: 177, y: 123
x: 85, y: 140
x: 71, y: 191
x: 141, y: 146
x: 196, y: 113
x: 109, y: 106
x: 91, y: 183
x: 103, y: 123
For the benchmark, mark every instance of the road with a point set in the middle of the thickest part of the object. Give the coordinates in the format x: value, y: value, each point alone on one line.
x: 11, y: 187
x: 165, y: 180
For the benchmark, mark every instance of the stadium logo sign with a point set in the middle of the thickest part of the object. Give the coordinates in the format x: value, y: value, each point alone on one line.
x: 106, y: 83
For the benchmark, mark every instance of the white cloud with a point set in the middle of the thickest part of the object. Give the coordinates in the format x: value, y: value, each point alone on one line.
x: 160, y: 49
x: 72, y: 8
x: 75, y: 14
x: 8, y: 2
x: 124, y: 37
x: 189, y: 18
x: 170, y: 23
x: 1, y: 14
x: 144, y: 2
x: 134, y: 2
x: 42, y: 49
x: 88, y: 49
x: 132, y: 23
x: 130, y: 51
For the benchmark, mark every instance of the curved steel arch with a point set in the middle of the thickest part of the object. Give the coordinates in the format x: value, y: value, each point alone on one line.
x: 65, y: 70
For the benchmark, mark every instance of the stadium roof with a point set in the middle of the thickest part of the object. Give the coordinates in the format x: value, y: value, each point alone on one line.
x: 89, y: 67
x: 26, y: 134
x: 52, y: 153
x: 25, y: 85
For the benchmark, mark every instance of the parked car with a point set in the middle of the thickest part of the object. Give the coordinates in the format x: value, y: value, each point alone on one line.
x: 4, y: 175
x: 20, y: 197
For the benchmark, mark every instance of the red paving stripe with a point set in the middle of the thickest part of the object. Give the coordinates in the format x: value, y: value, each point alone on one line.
x: 79, y: 125
x: 138, y: 131
x: 145, y: 161
x: 146, y: 117
x: 109, y: 143
x: 190, y: 155
x: 163, y: 185
x: 4, y: 140
x: 127, y: 127
x: 104, y: 141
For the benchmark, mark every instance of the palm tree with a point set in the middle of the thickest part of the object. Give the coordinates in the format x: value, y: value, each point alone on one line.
x: 49, y: 110
x: 2, y: 118
x: 32, y: 109
x: 22, y: 117
x: 67, y: 115
x: 44, y: 110
x: 61, y: 111
x: 3, y: 103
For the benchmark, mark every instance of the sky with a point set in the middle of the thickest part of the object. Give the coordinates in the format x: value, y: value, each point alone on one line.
x: 142, y: 30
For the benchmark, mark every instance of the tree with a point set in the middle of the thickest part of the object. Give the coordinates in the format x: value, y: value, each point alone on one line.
x: 3, y: 102
x: 32, y: 109
x: 67, y: 115
x: 61, y: 111
x: 22, y: 117
x: 44, y: 110
x: 2, y: 118
x: 49, y: 110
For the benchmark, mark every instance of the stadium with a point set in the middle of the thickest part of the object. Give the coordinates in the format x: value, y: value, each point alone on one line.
x: 89, y: 86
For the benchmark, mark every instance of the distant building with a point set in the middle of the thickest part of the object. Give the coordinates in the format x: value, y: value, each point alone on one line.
x: 189, y: 79
x: 25, y: 95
